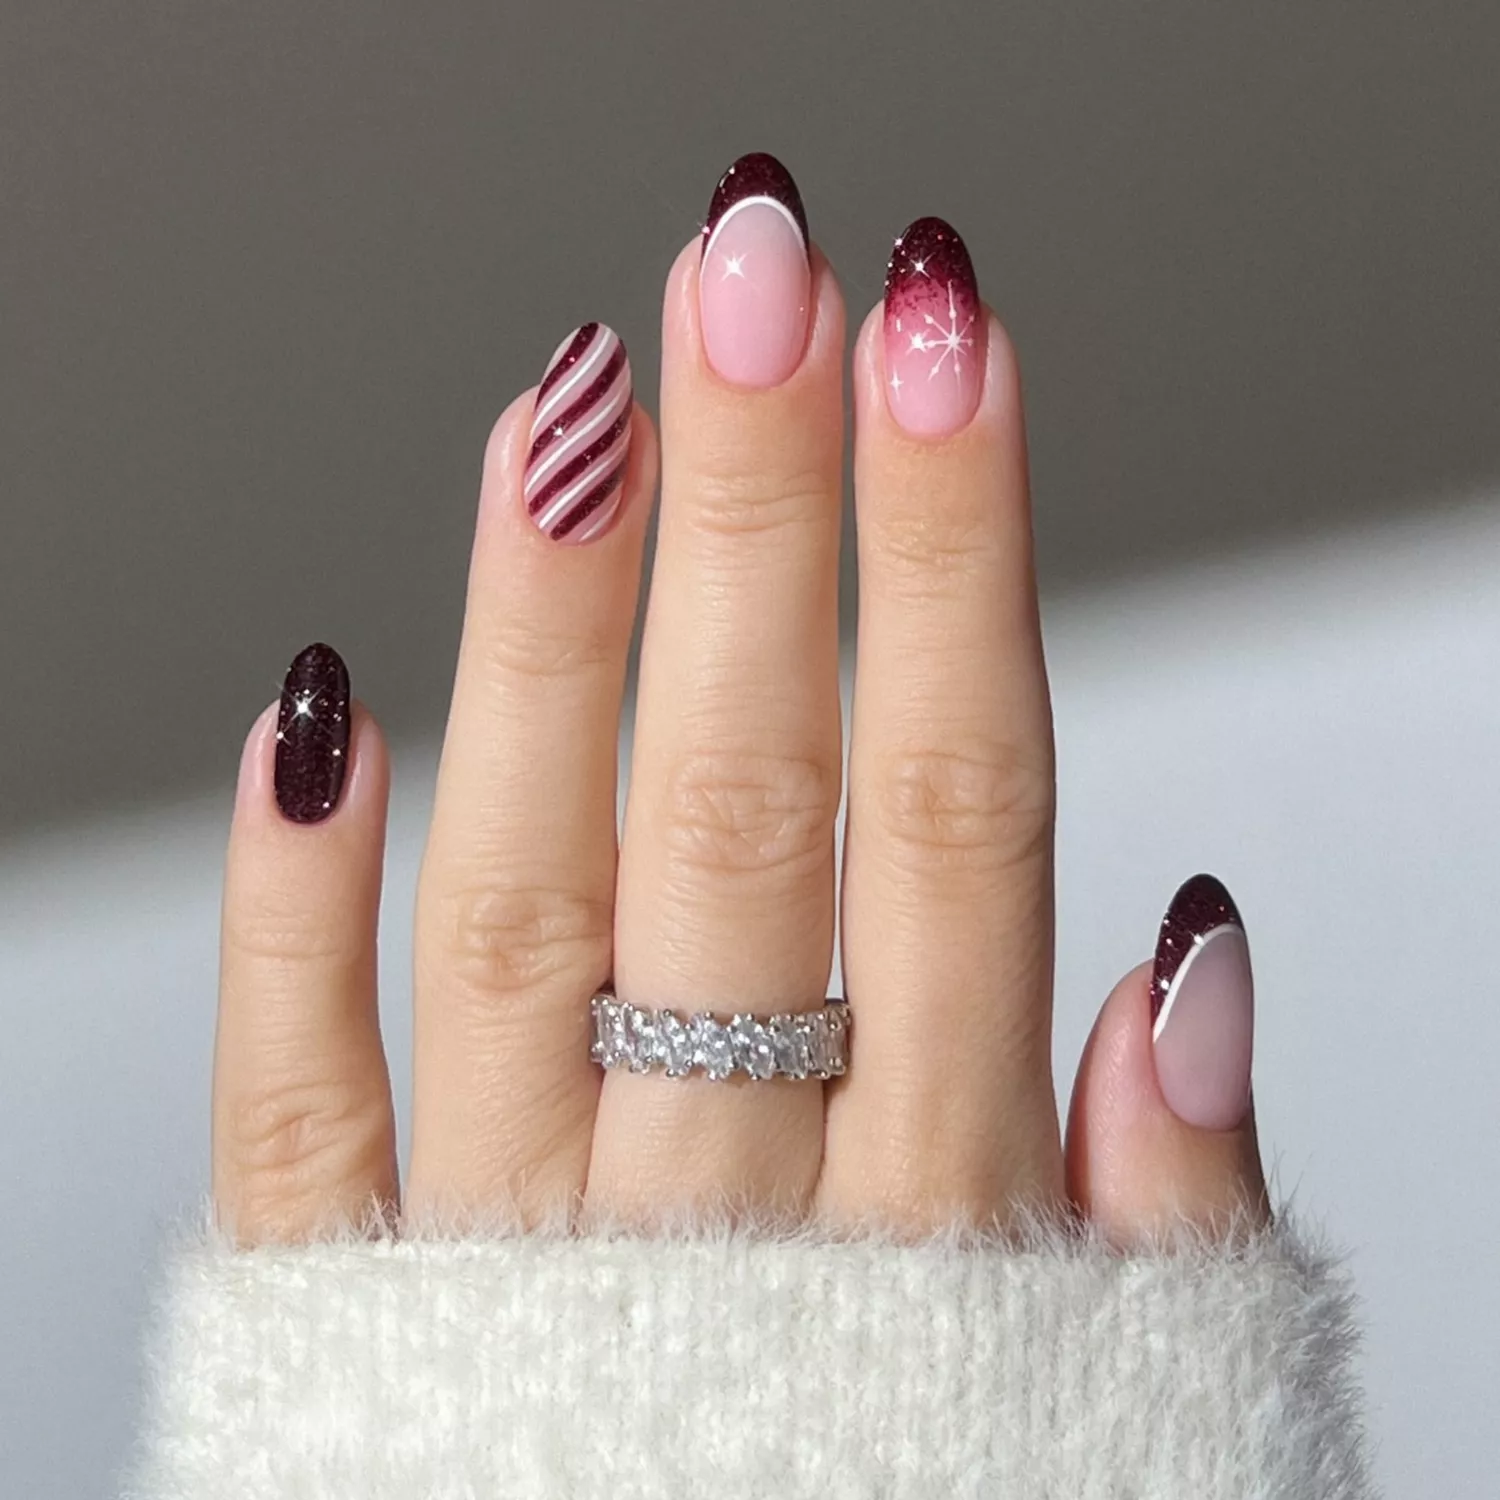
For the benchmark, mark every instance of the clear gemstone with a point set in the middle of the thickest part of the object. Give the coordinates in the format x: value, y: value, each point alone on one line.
x: 838, y: 1042
x: 611, y: 1039
x: 789, y: 1046
x: 752, y: 1046
x: 674, y: 1043
x: 712, y: 1046
x: 819, y: 1054
x: 640, y: 1038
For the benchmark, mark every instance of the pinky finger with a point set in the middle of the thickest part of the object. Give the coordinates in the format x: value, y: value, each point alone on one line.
x: 303, y: 1129
x: 1162, y: 1129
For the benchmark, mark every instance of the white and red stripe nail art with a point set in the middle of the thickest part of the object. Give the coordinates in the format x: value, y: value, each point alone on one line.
x: 580, y: 437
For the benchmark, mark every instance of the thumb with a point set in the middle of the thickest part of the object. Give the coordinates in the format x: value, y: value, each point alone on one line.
x: 1162, y: 1125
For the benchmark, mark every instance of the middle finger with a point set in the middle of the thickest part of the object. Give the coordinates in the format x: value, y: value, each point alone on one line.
x: 725, y: 899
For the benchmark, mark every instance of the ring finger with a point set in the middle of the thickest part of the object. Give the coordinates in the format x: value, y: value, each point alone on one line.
x: 726, y: 888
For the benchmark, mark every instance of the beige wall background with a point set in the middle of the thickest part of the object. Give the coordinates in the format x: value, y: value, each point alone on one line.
x: 269, y: 271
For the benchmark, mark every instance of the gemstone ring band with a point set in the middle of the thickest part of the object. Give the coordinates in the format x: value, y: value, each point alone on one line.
x: 812, y: 1044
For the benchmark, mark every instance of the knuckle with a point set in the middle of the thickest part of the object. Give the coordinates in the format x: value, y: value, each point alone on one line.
x: 735, y: 503
x: 919, y: 552
x: 516, y: 649
x: 742, y: 813
x: 283, y: 934
x: 508, y: 941
x: 291, y: 1139
x: 980, y: 810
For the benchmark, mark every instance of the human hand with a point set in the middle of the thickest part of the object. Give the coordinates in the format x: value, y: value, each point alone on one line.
x: 722, y: 895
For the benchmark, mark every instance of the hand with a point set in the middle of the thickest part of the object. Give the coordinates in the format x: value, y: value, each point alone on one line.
x: 722, y: 896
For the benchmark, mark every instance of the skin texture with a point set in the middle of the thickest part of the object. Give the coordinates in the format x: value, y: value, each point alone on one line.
x: 302, y: 1123
x: 1135, y: 1168
x: 721, y: 893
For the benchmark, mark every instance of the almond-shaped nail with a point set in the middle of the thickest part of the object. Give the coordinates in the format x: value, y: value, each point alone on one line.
x: 934, y: 331
x: 580, y: 437
x: 312, y: 735
x: 755, y: 281
x: 1203, y: 1007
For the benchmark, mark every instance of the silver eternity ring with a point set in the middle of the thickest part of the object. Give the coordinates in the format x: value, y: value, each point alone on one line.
x: 814, y: 1044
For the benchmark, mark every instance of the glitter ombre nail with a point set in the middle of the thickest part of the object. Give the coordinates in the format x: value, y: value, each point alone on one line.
x: 934, y: 331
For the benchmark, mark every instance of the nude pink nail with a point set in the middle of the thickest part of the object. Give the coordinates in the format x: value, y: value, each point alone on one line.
x: 934, y: 331
x: 1203, y: 1007
x: 754, y: 281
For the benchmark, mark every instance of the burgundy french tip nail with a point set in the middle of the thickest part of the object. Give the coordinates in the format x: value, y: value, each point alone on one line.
x: 757, y: 175
x: 934, y: 331
x: 754, y: 276
x: 312, y: 735
x: 1203, y: 1007
x: 580, y: 437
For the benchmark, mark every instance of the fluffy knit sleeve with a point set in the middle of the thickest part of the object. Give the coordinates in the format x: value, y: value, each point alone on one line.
x: 731, y: 1364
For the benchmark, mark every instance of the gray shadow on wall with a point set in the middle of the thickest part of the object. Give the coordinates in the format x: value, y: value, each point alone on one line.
x: 269, y: 272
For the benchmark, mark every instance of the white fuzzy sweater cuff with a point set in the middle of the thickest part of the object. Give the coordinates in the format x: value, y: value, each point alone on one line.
x: 734, y: 1366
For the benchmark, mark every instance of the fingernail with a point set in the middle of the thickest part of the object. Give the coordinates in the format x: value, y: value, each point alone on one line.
x: 312, y: 735
x: 1203, y: 1007
x: 754, y: 282
x: 580, y: 437
x: 934, y: 331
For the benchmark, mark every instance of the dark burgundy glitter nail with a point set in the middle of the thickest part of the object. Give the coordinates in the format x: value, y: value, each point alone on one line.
x: 312, y: 735
x: 756, y: 176
x: 928, y: 259
x: 1200, y: 905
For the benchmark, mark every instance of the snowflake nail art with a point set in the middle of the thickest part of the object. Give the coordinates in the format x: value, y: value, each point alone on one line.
x: 934, y: 330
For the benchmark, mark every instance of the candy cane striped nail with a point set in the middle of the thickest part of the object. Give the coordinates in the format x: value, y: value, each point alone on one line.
x: 580, y: 437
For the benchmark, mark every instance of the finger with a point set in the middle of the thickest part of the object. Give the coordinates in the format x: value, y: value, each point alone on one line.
x: 514, y: 903
x: 947, y: 1110
x: 1162, y: 1126
x: 303, y: 1131
x: 727, y: 865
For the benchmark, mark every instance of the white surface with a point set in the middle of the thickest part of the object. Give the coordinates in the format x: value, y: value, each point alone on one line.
x: 628, y: 1362
x: 1320, y: 728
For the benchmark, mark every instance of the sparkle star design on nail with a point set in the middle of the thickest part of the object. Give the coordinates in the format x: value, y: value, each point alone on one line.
x: 312, y: 735
x: 755, y: 277
x: 950, y: 340
x: 933, y: 327
x: 301, y: 707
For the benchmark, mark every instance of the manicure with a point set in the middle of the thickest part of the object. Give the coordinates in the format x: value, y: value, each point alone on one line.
x: 1203, y: 1007
x: 934, y: 331
x: 312, y: 735
x: 580, y: 437
x: 754, y: 281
